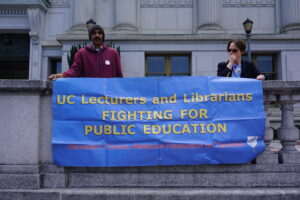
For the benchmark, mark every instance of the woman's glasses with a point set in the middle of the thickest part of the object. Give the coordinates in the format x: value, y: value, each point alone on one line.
x: 232, y: 50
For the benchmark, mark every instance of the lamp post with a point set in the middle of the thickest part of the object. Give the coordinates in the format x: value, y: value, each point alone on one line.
x: 90, y: 23
x: 248, y: 28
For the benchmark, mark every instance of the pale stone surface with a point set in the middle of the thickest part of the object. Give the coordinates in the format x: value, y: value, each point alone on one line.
x: 19, y: 129
x: 133, y: 64
x: 45, y: 132
x: 207, y: 62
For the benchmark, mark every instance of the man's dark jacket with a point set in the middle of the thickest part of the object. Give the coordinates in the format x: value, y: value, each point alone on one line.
x: 248, y: 70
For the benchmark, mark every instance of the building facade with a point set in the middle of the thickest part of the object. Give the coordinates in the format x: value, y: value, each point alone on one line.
x: 156, y: 37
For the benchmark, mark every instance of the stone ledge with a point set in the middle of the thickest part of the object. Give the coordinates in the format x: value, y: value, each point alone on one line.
x: 19, y: 169
x: 281, y: 87
x: 25, y: 86
x: 184, y: 37
x: 43, y: 86
x: 44, y: 4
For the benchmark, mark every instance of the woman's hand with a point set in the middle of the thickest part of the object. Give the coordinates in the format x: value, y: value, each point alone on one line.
x: 261, y: 77
x: 232, y: 60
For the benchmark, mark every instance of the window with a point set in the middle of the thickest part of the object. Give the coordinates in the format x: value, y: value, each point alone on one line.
x: 168, y: 65
x: 14, y: 56
x: 55, y: 66
x: 266, y: 65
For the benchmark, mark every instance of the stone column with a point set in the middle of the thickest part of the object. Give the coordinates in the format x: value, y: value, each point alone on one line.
x: 126, y: 15
x: 64, y: 59
x: 268, y: 157
x: 34, y: 18
x: 290, y: 16
x: 83, y: 11
x: 209, y: 17
x: 288, y: 133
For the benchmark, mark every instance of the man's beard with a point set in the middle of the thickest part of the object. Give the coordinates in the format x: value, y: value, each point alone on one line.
x: 97, y: 39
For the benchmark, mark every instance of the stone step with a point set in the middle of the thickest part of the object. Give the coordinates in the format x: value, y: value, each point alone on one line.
x: 81, y: 180
x: 153, y: 193
x: 247, y: 175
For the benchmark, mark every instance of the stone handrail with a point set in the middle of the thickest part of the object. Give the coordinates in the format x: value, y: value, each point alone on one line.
x: 25, y: 86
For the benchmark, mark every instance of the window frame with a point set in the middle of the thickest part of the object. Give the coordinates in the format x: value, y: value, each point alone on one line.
x: 15, y: 63
x: 275, y: 65
x: 53, y: 64
x: 167, y: 67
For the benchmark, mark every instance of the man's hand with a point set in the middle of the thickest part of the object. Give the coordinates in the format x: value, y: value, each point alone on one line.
x: 55, y: 76
x: 261, y: 77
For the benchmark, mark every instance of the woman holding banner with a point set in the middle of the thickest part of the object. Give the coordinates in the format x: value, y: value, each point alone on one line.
x: 236, y: 66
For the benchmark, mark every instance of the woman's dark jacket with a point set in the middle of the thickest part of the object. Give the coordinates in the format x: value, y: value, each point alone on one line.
x: 248, y: 70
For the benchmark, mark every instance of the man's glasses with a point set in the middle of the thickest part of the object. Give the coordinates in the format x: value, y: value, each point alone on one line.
x: 232, y: 50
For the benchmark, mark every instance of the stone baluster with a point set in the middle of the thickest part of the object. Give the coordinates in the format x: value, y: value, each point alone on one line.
x: 209, y: 17
x: 126, y: 17
x: 83, y: 11
x: 290, y: 16
x: 288, y: 133
x: 268, y: 157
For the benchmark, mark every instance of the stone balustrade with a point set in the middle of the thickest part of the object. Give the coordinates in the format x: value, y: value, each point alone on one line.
x: 26, y: 155
x: 285, y: 94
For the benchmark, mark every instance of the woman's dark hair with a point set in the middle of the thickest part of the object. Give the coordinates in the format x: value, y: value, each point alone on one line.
x: 241, y: 44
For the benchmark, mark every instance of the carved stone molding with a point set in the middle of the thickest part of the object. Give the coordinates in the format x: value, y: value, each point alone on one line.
x: 290, y: 16
x: 83, y: 11
x: 34, y: 18
x: 60, y: 3
x: 248, y: 3
x: 13, y: 11
x: 166, y: 3
x: 209, y: 15
x: 126, y: 17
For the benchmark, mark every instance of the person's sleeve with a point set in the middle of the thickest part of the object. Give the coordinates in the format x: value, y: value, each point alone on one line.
x: 254, y: 70
x: 77, y: 67
x: 118, y: 66
x: 222, y: 69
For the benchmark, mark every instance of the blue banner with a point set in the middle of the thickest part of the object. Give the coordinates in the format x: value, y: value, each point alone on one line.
x: 157, y: 121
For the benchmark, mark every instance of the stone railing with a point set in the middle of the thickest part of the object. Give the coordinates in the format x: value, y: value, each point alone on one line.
x: 286, y: 94
x: 26, y: 155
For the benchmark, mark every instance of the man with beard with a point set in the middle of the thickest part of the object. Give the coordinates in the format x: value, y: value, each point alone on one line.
x: 96, y: 60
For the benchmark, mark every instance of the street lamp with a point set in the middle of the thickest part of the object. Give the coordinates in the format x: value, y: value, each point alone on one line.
x: 248, y: 27
x: 90, y: 23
